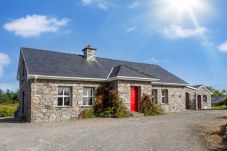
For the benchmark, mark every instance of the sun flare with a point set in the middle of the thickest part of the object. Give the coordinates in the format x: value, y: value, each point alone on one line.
x: 184, y: 5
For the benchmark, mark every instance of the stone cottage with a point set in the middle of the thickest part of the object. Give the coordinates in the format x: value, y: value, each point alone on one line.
x: 197, y: 97
x: 57, y: 86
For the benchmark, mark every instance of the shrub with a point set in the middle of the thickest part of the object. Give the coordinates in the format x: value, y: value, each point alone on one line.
x: 6, y: 112
x: 148, y: 107
x: 108, y: 104
x: 225, y: 102
x: 87, y: 113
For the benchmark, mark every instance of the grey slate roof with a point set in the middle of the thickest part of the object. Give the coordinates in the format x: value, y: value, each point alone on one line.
x: 218, y: 99
x: 51, y: 63
x: 197, y: 86
x: 124, y: 70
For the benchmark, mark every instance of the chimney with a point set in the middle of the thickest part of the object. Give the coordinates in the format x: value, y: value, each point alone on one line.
x: 89, y: 53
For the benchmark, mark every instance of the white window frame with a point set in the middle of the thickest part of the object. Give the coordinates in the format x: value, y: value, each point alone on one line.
x: 87, y: 96
x: 166, y: 97
x: 63, y: 96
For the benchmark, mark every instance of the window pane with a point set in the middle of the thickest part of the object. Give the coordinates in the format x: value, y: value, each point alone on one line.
x: 85, y: 101
x: 90, y: 92
x: 85, y: 92
x: 67, y: 91
x: 90, y: 101
x: 60, y: 101
x: 163, y: 100
x: 204, y: 98
x: 67, y: 101
x: 166, y: 96
x: 163, y: 92
x: 60, y: 91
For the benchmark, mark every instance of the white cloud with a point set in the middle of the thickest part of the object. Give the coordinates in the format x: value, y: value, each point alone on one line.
x: 223, y: 46
x: 5, y: 86
x: 102, y: 4
x: 131, y: 29
x: 87, y: 2
x: 176, y: 32
x: 4, y: 60
x: 135, y: 4
x: 35, y: 25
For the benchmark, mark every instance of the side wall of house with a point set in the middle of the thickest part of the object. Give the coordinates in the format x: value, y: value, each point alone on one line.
x: 24, y: 110
x: 124, y: 90
x: 44, y: 97
x: 176, y: 98
x: 204, y: 105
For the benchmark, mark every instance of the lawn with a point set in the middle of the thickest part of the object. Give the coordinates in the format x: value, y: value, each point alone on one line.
x: 220, y: 107
x: 7, y: 110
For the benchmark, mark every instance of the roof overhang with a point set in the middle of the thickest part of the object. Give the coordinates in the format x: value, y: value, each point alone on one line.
x: 190, y: 87
x: 46, y: 77
x: 131, y: 78
x: 169, y: 84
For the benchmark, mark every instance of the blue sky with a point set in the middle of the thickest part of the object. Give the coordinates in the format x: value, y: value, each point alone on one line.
x: 188, y: 38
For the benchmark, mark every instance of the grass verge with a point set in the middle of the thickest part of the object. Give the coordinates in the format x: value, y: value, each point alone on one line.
x: 220, y: 107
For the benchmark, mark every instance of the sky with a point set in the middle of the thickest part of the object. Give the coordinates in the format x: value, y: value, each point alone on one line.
x: 188, y: 38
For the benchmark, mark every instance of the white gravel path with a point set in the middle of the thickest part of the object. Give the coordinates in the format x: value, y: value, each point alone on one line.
x: 174, y: 132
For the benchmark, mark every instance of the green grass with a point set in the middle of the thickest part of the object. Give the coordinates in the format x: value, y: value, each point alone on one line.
x: 220, y: 107
x: 7, y: 110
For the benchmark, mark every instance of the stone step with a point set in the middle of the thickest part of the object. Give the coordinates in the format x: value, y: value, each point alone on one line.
x: 137, y: 114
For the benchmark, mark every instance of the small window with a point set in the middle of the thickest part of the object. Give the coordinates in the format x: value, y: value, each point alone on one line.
x: 204, y: 98
x: 155, y: 95
x: 64, y: 96
x: 165, y: 96
x: 88, y: 96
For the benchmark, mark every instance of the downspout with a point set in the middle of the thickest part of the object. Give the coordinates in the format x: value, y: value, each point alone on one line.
x: 35, y: 78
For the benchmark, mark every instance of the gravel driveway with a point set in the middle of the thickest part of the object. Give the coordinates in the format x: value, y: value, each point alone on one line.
x: 158, y: 133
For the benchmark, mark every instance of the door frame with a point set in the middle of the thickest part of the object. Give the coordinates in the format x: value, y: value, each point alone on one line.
x: 199, y: 101
x: 187, y: 101
x: 138, y: 98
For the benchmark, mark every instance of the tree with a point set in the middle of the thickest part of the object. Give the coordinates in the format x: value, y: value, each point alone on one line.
x: 9, y: 97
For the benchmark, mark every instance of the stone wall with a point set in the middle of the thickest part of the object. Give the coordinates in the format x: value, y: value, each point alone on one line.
x: 204, y: 105
x: 44, y: 100
x: 192, y: 98
x: 194, y: 101
x: 124, y: 90
x: 176, y: 98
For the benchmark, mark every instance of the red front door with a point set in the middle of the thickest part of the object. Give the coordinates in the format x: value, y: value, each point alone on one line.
x: 134, y: 99
x: 199, y: 101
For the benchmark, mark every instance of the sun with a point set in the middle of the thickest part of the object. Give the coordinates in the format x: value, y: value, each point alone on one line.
x: 184, y: 5
x: 178, y: 11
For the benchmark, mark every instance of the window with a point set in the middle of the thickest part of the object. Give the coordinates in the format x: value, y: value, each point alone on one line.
x: 64, y: 96
x: 204, y: 98
x: 155, y: 95
x: 165, y: 96
x: 88, y: 96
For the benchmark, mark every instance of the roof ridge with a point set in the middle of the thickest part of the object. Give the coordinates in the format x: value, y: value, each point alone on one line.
x: 70, y: 53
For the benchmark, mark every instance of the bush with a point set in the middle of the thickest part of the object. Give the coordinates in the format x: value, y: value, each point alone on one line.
x: 108, y: 104
x: 225, y: 102
x: 148, y: 107
x: 7, y: 111
x: 87, y: 113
